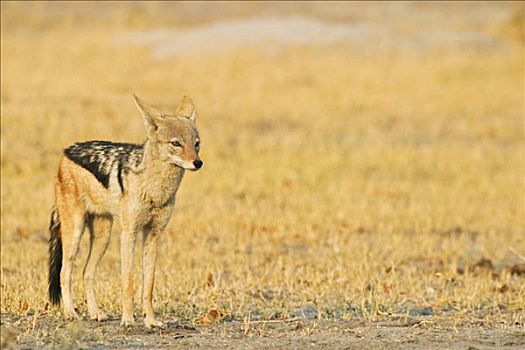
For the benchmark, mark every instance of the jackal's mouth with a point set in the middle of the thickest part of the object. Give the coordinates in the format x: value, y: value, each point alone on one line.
x: 193, y: 166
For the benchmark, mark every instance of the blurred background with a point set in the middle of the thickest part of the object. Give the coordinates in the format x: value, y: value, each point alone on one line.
x: 338, y: 138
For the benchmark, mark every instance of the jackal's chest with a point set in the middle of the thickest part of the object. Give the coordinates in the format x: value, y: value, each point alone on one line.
x: 159, y: 200
x: 159, y: 195
x: 147, y: 206
x: 153, y: 192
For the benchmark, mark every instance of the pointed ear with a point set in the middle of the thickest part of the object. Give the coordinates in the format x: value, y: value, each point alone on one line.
x: 152, y: 117
x: 186, y: 109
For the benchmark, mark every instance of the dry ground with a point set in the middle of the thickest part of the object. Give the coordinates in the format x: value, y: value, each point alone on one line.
x: 353, y: 196
x: 394, y: 333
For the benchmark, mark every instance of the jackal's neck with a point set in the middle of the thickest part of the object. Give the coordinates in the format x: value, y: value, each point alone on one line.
x: 155, y: 167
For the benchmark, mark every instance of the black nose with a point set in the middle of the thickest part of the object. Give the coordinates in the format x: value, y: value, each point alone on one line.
x: 197, y: 164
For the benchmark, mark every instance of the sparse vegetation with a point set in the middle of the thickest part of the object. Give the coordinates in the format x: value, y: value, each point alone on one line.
x: 338, y: 185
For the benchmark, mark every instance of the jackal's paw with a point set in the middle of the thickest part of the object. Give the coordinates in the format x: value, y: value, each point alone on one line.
x: 127, y: 322
x: 71, y: 315
x: 98, y: 316
x: 152, y: 323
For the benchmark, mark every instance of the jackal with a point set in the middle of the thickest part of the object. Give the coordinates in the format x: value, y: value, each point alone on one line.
x: 99, y: 180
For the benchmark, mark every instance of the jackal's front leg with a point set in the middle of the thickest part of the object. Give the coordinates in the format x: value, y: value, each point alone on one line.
x: 149, y: 260
x: 127, y: 248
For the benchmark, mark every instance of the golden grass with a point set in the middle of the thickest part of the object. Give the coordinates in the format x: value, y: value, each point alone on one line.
x: 346, y: 183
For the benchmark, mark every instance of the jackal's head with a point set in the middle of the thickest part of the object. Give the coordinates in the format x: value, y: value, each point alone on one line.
x: 175, y: 135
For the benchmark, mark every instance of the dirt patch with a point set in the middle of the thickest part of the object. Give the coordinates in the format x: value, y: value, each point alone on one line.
x: 394, y: 333
x: 363, y: 33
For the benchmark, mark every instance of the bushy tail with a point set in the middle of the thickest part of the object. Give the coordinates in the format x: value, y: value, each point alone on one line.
x: 55, y: 258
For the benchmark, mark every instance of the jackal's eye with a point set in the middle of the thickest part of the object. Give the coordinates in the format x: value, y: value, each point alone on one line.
x: 176, y: 143
x: 197, y: 144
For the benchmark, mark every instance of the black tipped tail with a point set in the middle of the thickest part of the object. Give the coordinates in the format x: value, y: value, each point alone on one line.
x: 55, y: 258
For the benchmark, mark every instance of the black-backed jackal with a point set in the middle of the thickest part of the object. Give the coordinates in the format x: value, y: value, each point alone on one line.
x: 99, y: 180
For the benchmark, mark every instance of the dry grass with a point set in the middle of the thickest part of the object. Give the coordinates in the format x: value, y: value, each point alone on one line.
x: 339, y: 183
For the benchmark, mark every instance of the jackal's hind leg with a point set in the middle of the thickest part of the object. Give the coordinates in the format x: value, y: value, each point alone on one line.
x: 100, y: 232
x: 72, y: 222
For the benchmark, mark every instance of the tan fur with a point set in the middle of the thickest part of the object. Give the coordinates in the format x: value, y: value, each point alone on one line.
x: 144, y: 205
